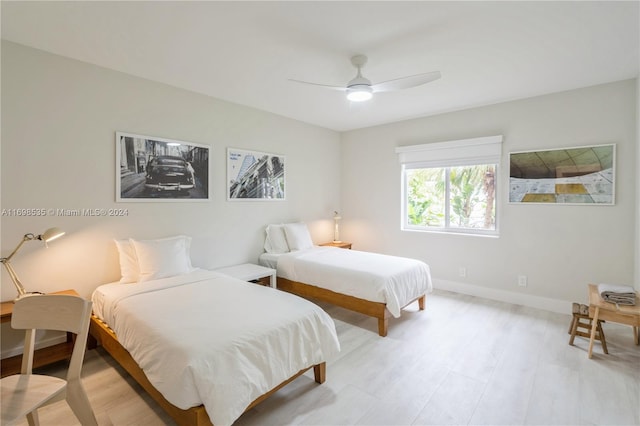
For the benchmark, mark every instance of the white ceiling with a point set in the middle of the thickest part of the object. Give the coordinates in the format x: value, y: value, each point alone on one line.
x: 245, y: 52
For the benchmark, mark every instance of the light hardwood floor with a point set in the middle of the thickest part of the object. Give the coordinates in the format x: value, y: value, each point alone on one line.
x: 464, y: 360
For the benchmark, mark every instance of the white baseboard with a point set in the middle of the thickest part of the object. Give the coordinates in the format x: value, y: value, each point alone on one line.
x: 9, y: 352
x: 544, y: 303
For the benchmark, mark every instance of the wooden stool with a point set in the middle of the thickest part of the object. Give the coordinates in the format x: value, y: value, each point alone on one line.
x: 581, y: 320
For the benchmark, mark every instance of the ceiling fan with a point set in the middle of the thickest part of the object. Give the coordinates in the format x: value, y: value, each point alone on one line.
x: 361, y: 89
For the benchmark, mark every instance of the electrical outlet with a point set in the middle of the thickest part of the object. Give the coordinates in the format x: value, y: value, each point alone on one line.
x: 522, y: 280
x: 462, y: 272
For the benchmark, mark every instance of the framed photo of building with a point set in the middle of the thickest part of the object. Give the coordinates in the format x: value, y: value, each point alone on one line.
x: 581, y: 175
x: 253, y: 175
x: 153, y: 169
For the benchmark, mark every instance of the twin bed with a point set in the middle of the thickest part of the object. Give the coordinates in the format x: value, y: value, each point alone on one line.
x: 207, y: 347
x: 370, y: 283
x: 209, y: 341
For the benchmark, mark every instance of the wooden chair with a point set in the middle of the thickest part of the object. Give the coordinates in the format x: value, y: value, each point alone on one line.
x: 582, y: 321
x: 22, y: 394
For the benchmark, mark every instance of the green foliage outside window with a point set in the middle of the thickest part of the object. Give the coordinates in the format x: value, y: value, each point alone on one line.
x: 425, y: 198
x: 451, y: 197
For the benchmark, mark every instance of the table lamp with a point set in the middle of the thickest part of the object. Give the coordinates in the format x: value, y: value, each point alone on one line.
x: 48, y: 235
x: 336, y: 229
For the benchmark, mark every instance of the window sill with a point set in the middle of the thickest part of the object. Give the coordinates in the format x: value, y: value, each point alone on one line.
x: 465, y: 232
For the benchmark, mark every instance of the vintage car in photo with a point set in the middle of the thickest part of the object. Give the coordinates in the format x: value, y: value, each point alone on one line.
x: 169, y: 173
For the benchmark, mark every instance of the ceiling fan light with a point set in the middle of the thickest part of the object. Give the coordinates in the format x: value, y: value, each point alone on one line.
x: 359, y: 93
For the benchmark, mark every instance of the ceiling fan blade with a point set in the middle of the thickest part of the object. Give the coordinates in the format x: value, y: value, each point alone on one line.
x: 326, y: 86
x: 406, y: 82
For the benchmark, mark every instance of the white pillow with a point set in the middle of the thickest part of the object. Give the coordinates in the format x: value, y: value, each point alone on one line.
x: 276, y: 241
x: 129, y: 270
x: 298, y: 236
x: 165, y: 257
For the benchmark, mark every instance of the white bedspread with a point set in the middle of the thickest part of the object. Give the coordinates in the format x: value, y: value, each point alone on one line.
x: 207, y: 338
x: 393, y: 280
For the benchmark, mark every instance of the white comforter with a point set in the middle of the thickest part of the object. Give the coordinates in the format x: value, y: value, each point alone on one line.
x: 207, y: 338
x: 393, y: 280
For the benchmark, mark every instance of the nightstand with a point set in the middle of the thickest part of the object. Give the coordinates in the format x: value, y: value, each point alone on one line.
x: 41, y: 357
x: 340, y: 244
x: 251, y: 272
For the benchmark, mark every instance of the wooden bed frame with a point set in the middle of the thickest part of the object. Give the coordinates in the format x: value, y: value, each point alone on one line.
x: 195, y: 416
x: 374, y: 309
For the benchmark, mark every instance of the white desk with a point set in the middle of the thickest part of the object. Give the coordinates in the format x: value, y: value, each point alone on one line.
x: 250, y: 272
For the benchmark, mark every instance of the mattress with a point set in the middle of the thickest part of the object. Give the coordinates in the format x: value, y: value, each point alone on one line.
x: 393, y: 280
x: 207, y: 338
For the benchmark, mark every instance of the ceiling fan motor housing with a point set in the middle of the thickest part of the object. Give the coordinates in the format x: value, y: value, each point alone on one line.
x: 359, y: 81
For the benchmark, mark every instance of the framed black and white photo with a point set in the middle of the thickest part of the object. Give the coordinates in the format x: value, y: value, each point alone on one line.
x: 150, y: 169
x: 580, y: 175
x: 253, y: 175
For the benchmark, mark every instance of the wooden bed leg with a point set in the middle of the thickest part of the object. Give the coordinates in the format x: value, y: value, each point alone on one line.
x: 320, y: 372
x: 383, y: 326
x: 421, y: 302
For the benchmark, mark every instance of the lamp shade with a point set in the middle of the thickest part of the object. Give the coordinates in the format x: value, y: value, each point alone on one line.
x: 51, y: 234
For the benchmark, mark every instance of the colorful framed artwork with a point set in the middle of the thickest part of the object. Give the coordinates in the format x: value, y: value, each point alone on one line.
x: 580, y: 175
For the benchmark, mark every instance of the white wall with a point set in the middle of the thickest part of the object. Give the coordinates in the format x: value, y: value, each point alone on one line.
x: 637, y: 218
x: 59, y: 121
x: 560, y: 248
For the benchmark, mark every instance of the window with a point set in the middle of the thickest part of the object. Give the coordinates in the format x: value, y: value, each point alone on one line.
x: 451, y: 197
x: 451, y: 186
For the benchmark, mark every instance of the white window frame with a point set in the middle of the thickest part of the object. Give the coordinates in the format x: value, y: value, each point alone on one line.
x: 464, y: 152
